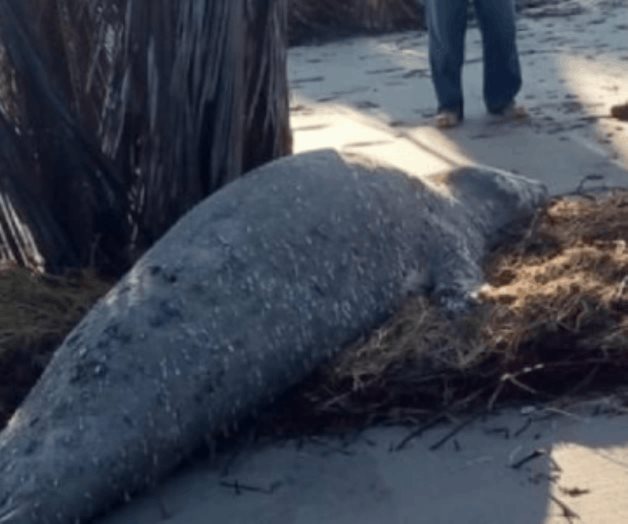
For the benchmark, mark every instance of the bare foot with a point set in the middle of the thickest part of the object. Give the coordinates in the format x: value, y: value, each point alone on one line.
x: 447, y: 119
x: 512, y: 112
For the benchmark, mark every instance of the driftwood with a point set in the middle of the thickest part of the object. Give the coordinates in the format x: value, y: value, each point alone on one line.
x: 315, y: 20
x: 117, y: 116
x: 312, y: 21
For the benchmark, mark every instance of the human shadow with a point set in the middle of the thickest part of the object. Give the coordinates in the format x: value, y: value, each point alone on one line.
x: 375, y: 96
x: 523, y: 466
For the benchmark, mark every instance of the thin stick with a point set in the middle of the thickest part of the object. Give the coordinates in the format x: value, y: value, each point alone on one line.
x: 523, y: 428
x: 529, y: 458
x: 419, y: 431
x: 569, y: 514
x: 239, y: 488
x: 454, y: 432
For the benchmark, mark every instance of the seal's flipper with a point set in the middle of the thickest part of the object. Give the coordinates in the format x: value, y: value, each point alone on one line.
x: 457, y: 279
x: 455, y: 299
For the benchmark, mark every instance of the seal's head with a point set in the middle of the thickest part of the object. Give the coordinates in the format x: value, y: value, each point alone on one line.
x: 495, y: 199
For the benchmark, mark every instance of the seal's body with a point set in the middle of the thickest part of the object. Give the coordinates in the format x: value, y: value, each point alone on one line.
x: 243, y: 298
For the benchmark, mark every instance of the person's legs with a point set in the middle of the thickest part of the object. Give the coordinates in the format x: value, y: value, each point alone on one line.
x: 447, y: 22
x: 502, y: 70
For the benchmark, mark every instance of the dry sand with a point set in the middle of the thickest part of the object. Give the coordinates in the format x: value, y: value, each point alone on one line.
x: 374, y: 95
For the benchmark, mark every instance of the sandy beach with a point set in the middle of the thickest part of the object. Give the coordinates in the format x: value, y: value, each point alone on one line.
x: 527, y: 465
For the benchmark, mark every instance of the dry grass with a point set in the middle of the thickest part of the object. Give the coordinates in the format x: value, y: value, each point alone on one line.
x: 553, y: 321
x: 36, y: 313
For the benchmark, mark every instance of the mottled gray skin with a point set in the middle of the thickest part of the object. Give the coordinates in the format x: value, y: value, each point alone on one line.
x: 243, y: 298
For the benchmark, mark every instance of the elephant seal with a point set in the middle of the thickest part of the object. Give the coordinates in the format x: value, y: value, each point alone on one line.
x: 239, y: 301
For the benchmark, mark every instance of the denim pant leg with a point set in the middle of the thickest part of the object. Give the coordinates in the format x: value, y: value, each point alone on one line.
x: 502, y: 70
x: 447, y: 23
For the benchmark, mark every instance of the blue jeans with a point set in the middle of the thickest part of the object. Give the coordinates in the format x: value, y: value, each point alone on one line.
x: 447, y: 24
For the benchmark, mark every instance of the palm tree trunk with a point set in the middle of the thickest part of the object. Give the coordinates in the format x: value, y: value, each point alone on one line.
x: 117, y: 116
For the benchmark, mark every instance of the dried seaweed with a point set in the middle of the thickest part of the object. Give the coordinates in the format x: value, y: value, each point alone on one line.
x: 553, y: 320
